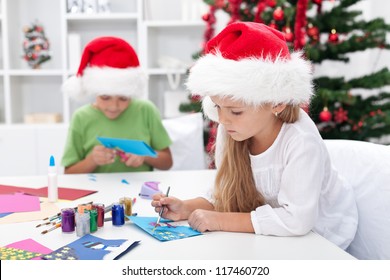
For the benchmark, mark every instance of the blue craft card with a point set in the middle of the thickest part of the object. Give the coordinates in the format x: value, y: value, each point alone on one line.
x: 166, y: 231
x: 136, y: 147
x: 90, y: 247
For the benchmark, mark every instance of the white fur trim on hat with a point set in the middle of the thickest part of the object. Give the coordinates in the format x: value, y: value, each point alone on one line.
x: 254, y: 81
x: 97, y: 81
x: 209, y: 109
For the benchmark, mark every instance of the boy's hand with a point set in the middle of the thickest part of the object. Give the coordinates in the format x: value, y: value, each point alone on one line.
x: 133, y: 160
x: 102, y: 155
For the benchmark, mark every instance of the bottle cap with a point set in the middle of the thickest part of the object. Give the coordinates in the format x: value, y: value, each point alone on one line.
x: 52, y: 161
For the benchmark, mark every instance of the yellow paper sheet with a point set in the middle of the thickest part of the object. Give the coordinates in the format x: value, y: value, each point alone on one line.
x: 47, y: 210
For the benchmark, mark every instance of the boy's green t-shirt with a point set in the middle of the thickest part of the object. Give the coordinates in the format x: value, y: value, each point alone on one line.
x: 140, y: 121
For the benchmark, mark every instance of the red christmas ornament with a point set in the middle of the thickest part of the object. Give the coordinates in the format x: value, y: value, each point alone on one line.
x: 333, y: 36
x: 312, y: 31
x: 206, y: 17
x: 273, y: 25
x: 219, y: 3
x: 288, y: 35
x: 325, y: 115
x: 271, y: 3
x: 196, y: 98
x: 278, y: 14
x: 340, y: 115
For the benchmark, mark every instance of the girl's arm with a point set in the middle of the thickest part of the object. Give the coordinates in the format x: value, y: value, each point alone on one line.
x: 202, y: 221
x: 177, y: 209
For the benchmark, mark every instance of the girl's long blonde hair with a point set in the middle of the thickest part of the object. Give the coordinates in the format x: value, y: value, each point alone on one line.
x: 235, y: 188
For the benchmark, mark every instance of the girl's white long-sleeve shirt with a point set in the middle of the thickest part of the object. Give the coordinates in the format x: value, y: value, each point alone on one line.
x: 302, y: 190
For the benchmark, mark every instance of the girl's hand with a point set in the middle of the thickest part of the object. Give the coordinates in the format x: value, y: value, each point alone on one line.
x: 206, y: 220
x: 133, y: 160
x: 173, y: 206
x: 102, y: 155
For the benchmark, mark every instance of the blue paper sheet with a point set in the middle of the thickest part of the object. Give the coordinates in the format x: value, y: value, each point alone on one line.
x: 167, y: 230
x: 90, y: 247
x: 136, y: 147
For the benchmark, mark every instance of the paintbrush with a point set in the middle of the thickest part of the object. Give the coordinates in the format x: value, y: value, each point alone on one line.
x: 44, y: 224
x: 161, y: 211
x: 52, y: 217
x: 51, y: 229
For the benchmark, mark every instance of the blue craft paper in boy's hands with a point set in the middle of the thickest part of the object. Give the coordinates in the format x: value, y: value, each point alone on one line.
x: 136, y: 147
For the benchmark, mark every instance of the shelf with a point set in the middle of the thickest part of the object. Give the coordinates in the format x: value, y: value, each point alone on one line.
x: 38, y: 72
x: 176, y: 23
x: 99, y: 17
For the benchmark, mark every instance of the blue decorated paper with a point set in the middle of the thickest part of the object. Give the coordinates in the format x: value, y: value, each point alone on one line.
x: 136, y: 147
x: 90, y: 247
x: 166, y: 230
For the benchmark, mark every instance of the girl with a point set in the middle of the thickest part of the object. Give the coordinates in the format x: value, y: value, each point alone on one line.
x: 274, y: 176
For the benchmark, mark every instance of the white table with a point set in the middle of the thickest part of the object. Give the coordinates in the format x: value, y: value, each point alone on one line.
x: 184, y: 184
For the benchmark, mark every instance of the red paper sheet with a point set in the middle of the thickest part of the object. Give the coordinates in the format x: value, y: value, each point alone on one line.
x: 63, y: 193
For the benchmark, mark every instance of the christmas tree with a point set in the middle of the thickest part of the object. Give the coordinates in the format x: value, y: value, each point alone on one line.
x: 325, y: 31
x: 35, y: 45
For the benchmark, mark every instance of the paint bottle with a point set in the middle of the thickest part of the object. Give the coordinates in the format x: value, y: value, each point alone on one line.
x: 100, y: 213
x: 67, y: 220
x: 93, y: 219
x: 127, y: 205
x: 118, y: 214
x: 82, y: 224
x: 52, y: 184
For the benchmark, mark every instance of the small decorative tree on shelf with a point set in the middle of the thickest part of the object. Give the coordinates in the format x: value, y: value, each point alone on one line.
x: 35, y: 45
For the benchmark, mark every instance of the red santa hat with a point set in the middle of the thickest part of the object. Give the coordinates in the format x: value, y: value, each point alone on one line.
x: 108, y: 66
x: 250, y: 62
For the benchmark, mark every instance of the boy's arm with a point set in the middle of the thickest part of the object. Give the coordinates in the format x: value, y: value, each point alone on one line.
x: 99, y: 156
x: 86, y: 165
x: 163, y: 161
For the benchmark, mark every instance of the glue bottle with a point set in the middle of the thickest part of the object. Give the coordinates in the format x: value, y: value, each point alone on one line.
x: 52, y: 181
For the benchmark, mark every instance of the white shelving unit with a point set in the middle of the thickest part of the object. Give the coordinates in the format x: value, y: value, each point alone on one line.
x: 155, y: 28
